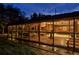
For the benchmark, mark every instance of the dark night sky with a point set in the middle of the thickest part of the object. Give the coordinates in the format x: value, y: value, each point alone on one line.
x: 47, y: 8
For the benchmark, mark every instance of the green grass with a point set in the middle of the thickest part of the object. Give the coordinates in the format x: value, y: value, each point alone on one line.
x: 8, y: 47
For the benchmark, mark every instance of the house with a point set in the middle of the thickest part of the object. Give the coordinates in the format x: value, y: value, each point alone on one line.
x: 60, y: 29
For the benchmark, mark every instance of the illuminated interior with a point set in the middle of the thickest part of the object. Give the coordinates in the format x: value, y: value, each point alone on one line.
x: 61, y: 31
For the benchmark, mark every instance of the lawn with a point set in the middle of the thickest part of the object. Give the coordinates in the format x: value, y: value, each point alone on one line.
x: 8, y: 47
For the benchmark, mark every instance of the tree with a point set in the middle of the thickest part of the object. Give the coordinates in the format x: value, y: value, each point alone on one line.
x: 12, y: 13
x: 34, y: 16
x: 2, y: 17
x: 9, y: 15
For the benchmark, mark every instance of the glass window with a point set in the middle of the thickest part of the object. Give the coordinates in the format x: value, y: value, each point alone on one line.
x: 61, y: 22
x: 77, y: 40
x: 61, y: 29
x: 46, y: 26
x: 34, y: 27
x: 26, y: 27
x: 61, y: 39
x: 46, y: 38
x: 25, y: 35
x: 34, y: 36
x: 61, y: 26
x: 77, y: 25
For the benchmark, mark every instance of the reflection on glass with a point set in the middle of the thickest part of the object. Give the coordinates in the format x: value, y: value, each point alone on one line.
x: 60, y: 39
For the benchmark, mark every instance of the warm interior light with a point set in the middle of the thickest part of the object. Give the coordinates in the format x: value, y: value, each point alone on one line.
x: 59, y: 35
x: 62, y: 35
x: 43, y: 24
